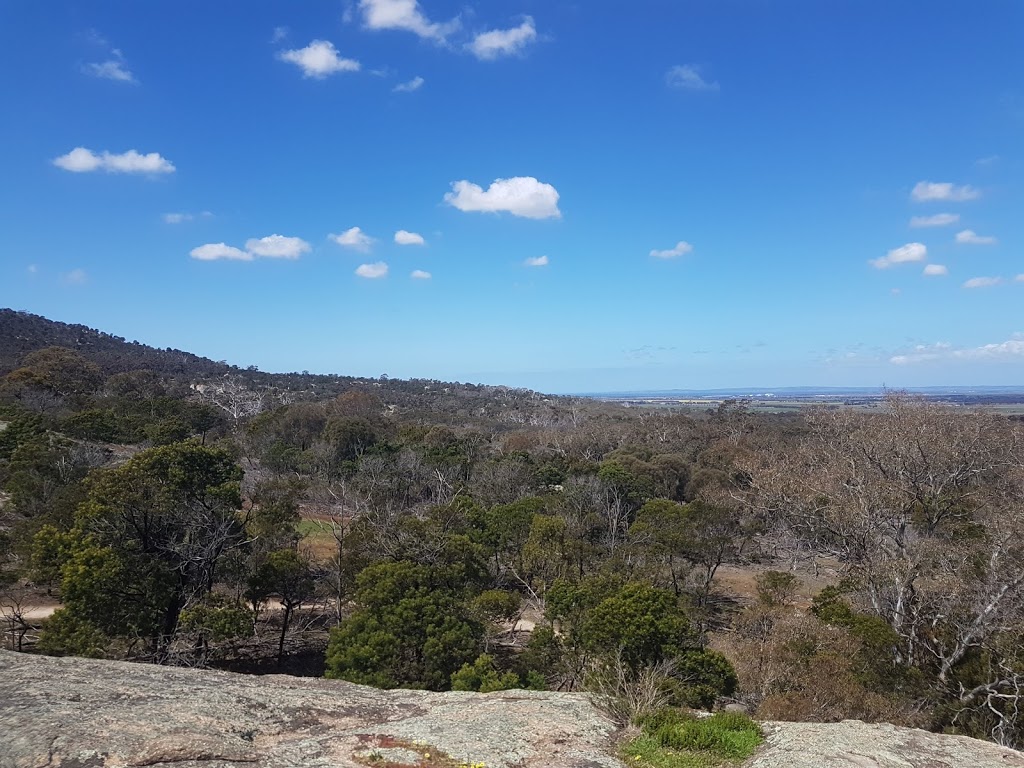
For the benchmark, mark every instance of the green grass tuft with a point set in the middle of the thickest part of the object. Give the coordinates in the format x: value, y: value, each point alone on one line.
x: 679, y: 742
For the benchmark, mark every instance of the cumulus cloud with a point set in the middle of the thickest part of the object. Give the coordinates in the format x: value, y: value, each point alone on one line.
x: 403, y: 237
x: 496, y: 43
x: 688, y: 77
x: 935, y: 270
x: 82, y: 160
x: 536, y: 261
x: 970, y: 237
x: 408, y: 87
x: 925, y: 191
x: 903, y: 254
x: 521, y: 196
x: 319, y: 59
x: 355, y: 239
x: 372, y: 271
x: 982, y: 282
x: 419, y: 274
x: 217, y: 251
x: 938, y: 220
x: 277, y: 247
x: 405, y: 15
x: 680, y: 249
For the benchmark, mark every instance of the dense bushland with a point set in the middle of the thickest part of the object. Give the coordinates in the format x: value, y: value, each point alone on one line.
x: 450, y: 536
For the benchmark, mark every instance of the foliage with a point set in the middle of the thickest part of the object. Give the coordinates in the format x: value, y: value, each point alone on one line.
x: 675, y: 741
x: 484, y: 676
x: 147, y: 540
x: 410, y: 629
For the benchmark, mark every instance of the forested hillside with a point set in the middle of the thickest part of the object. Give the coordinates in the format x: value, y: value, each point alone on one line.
x: 838, y: 564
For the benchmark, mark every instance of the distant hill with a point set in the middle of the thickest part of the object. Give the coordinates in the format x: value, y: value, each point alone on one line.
x: 23, y: 332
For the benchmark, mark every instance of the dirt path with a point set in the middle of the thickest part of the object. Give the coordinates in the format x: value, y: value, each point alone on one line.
x: 10, y: 613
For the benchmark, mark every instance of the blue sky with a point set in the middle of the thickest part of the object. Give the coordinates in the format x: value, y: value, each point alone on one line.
x: 592, y: 196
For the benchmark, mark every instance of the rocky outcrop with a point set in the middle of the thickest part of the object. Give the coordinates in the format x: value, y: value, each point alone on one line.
x: 853, y: 744
x: 78, y: 713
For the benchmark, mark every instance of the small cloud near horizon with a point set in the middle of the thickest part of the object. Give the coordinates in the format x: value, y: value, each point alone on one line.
x: 970, y: 237
x: 372, y: 271
x: 354, y: 238
x: 404, y: 237
x: 925, y: 191
x: 937, y: 220
x: 905, y: 253
x: 688, y: 77
x: 680, y: 249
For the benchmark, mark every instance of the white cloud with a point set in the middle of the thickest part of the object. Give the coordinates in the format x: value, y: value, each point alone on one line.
x: 355, y: 239
x: 75, y: 277
x: 688, y: 77
x: 179, y: 217
x: 319, y: 59
x: 982, y: 282
x: 413, y: 85
x: 935, y: 270
x: 1011, y: 349
x: 82, y: 160
x: 112, y: 69
x: 934, y: 190
x: 403, y: 237
x: 503, y: 42
x: 419, y: 274
x: 537, y: 261
x: 32, y: 269
x: 280, y: 33
x: 1019, y: 278
x: 277, y: 247
x: 372, y: 271
x: 521, y: 196
x: 901, y: 255
x: 405, y: 15
x: 970, y: 237
x: 680, y: 249
x: 216, y: 251
x: 938, y: 220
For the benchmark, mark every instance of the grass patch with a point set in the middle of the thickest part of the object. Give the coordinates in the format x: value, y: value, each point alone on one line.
x: 674, y: 741
x: 317, y: 537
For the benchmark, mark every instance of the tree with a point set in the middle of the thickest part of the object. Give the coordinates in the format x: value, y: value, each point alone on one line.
x: 288, y: 575
x: 411, y: 629
x: 922, y: 505
x: 148, y: 539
